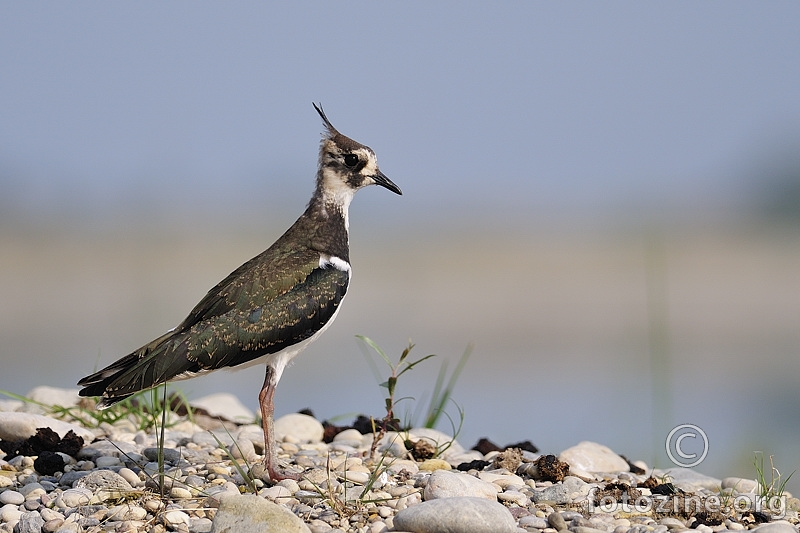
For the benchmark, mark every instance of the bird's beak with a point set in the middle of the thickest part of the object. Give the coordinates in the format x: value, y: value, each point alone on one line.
x: 381, y: 179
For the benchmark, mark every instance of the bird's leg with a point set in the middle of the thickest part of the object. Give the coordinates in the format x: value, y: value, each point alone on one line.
x: 265, y: 401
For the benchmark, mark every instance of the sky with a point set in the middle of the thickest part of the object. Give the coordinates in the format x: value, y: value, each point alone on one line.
x: 521, y: 106
x: 175, y: 115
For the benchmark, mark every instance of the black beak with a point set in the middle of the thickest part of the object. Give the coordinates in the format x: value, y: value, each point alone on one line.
x: 381, y: 179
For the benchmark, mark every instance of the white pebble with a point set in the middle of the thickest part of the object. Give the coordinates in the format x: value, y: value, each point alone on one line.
x: 180, y: 493
x: 355, y: 476
x: 12, y: 497
x: 73, y: 498
x: 289, y: 484
x: 127, y: 513
x: 174, y: 518
x: 9, y: 513
x: 49, y: 514
x: 276, y: 493
x: 130, y: 476
x: 513, y: 496
x: 378, y: 527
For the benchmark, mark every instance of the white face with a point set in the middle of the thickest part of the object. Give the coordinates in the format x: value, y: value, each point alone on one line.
x: 346, y: 171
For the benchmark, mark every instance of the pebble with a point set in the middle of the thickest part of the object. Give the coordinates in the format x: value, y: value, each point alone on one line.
x: 593, y: 457
x: 225, y: 406
x: 446, y: 484
x: 301, y: 427
x: 9, y: 513
x: 175, y: 518
x: 106, y: 481
x: 130, y: 476
x: 476, y: 515
x: 533, y: 521
x: 429, y: 465
x: 776, y: 527
x: 556, y: 520
x: 20, y: 426
x: 248, y: 513
x: 740, y: 485
x: 555, y: 494
x: 171, y: 455
x: 31, y: 522
x: 72, y: 498
x: 180, y: 493
x: 689, y: 480
x: 12, y: 497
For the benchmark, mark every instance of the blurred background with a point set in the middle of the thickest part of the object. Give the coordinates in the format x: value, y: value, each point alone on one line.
x: 603, y: 198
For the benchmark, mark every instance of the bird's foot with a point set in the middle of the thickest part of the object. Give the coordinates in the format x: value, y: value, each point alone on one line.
x: 277, y: 474
x: 267, y: 473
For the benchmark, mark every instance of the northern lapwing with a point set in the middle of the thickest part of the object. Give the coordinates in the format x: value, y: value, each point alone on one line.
x: 270, y: 308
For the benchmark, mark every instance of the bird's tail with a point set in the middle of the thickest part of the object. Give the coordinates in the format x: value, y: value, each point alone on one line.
x: 133, y: 373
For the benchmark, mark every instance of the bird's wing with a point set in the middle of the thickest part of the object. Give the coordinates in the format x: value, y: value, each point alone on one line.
x: 263, y: 278
x: 261, y: 308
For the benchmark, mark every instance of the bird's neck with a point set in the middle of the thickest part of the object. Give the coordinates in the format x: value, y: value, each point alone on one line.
x: 327, y: 217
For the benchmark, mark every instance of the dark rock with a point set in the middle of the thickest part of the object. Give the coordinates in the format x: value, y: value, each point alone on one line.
x: 48, y: 463
x: 526, y: 446
x: 477, y: 464
x: 485, y: 446
x: 45, y: 439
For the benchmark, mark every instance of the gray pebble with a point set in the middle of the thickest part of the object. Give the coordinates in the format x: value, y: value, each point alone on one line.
x: 672, y: 523
x: 104, y: 479
x: 556, y: 520
x: 586, y: 529
x: 776, y: 527
x: 30, y: 488
x: 31, y: 522
x: 32, y: 504
x: 88, y: 522
x: 11, y: 497
x: 171, y: 455
x: 107, y: 448
x: 557, y: 494
x: 69, y: 478
x: 48, y: 485
x: 200, y: 525
x: 533, y: 521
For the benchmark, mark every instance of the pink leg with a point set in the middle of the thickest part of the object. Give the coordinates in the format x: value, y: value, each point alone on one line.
x: 265, y: 401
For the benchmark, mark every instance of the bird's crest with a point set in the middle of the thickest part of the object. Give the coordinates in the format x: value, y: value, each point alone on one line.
x: 332, y: 132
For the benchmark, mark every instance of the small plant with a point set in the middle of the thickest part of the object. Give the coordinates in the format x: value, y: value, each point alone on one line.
x: 441, y: 393
x: 389, y: 422
x: 776, y: 485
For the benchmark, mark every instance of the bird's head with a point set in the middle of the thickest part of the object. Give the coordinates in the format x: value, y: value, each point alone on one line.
x: 346, y: 165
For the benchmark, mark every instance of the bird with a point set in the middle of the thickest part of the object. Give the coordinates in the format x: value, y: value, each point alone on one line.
x: 270, y: 308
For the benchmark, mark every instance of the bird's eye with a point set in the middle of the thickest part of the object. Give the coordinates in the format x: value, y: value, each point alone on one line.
x: 351, y: 160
